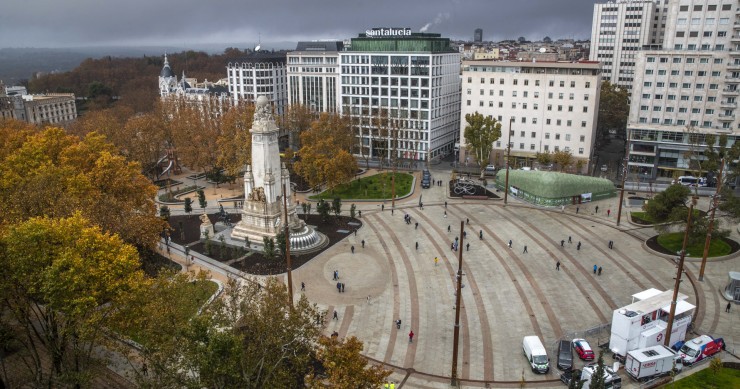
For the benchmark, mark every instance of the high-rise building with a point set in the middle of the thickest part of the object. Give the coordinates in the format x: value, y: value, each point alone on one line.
x: 619, y: 30
x: 686, y: 90
x: 478, y: 36
x: 411, y: 81
x: 51, y: 108
x: 546, y: 107
x: 313, y: 75
x: 260, y: 73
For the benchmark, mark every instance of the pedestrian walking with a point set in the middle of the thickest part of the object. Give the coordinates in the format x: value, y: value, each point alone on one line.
x: 562, y: 208
x: 448, y: 226
x: 577, y: 208
x: 727, y: 308
x: 452, y: 246
x: 525, y: 250
x: 382, y: 207
x: 416, y: 226
x: 509, y: 243
x: 339, y: 287
x: 445, y: 205
x: 467, y: 221
x: 359, y: 213
x: 597, y: 209
x: 465, y: 234
x: 445, y: 213
x: 562, y: 243
x: 398, y: 324
x: 363, y: 243
x: 595, y: 268
x: 335, y: 317
x: 608, y: 212
x: 355, y: 231
x: 417, y: 245
x: 467, y: 247
x: 611, y: 244
x: 599, y: 270
x: 480, y: 234
x: 557, y: 266
x: 435, y: 261
x: 342, y: 287
x: 336, y: 276
x: 144, y: 369
x: 352, y: 248
x: 303, y: 286
x: 579, y: 246
x: 392, y: 209
x: 421, y: 206
x: 411, y: 336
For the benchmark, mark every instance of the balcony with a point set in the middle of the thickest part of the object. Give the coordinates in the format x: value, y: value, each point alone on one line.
x: 726, y: 118
x: 735, y: 39
x: 732, y: 79
x: 730, y: 92
x: 727, y: 104
x: 733, y: 66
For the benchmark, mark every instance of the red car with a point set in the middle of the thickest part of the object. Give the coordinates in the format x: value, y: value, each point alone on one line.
x: 583, y: 349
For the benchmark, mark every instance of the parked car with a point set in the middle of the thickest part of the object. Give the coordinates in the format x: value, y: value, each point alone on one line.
x: 426, y: 182
x: 490, y: 169
x: 583, y: 349
x: 565, y: 355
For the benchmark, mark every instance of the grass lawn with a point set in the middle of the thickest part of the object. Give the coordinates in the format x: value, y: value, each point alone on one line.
x: 673, y: 242
x: 643, y: 216
x: 199, y: 291
x: 370, y: 188
x: 727, y: 378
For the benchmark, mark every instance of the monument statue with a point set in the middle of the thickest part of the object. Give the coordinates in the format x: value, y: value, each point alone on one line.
x: 265, y: 178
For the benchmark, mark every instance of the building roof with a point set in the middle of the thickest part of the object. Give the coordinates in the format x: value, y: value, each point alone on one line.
x: 554, y: 185
x: 263, y: 56
x: 320, y: 46
x: 166, y: 70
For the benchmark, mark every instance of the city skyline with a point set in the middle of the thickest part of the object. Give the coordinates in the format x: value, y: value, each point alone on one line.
x: 53, y: 24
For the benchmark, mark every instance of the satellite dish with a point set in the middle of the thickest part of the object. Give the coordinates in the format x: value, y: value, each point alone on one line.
x: 257, y: 48
x: 542, y: 49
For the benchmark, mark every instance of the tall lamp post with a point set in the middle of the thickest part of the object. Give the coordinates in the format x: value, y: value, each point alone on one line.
x: 715, y: 202
x: 624, y: 177
x: 287, y: 249
x: 679, y: 273
x: 458, y: 301
x: 508, y: 157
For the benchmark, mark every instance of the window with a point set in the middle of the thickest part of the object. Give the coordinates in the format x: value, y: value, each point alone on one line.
x: 534, y: 134
x: 468, y: 103
x: 644, y: 108
x: 549, y: 95
x: 681, y: 122
x: 536, y: 83
x: 585, y: 109
x: 557, y: 136
x: 534, y: 120
x: 500, y: 104
x: 513, y: 105
x: 570, y: 108
x: 482, y: 80
x: 547, y: 135
x: 684, y: 98
x: 552, y: 83
x: 516, y: 82
x: 643, y: 120
x: 560, y: 108
x: 524, y: 105
x: 548, y: 121
x: 560, y: 96
x: 651, y: 59
x: 526, y: 93
x: 726, y: 7
x: 531, y: 146
x: 549, y: 107
x: 501, y: 81
x: 673, y: 85
x: 583, y: 124
x: 526, y: 82
x: 585, y: 97
x: 688, y: 73
x: 535, y: 106
x: 698, y: 98
x: 646, y: 95
x: 712, y: 7
x: 562, y: 84
x: 571, y: 96
x: 583, y: 137
x: 501, y: 93
x: 647, y: 84
x: 513, y: 93
x: 521, y: 146
x: 536, y: 95
x: 572, y: 84
x: 588, y: 84
x: 580, y: 150
x: 675, y: 72
x: 690, y: 60
x: 699, y: 86
x: 683, y: 8
x: 558, y: 122
x: 724, y: 20
x: 480, y: 103
x: 683, y: 110
x: 671, y: 97
x: 547, y: 148
x: 521, y: 133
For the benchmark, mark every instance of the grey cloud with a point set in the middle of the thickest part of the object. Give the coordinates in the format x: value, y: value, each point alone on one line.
x: 55, y: 23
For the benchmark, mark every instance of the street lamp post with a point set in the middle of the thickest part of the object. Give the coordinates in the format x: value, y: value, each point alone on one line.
x: 508, y: 157
x: 715, y: 202
x: 624, y: 177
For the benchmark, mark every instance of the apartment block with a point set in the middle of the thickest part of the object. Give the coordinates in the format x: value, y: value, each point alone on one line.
x: 542, y: 106
x: 261, y: 73
x: 313, y: 75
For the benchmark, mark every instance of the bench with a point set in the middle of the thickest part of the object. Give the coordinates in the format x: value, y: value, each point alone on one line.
x: 475, y: 197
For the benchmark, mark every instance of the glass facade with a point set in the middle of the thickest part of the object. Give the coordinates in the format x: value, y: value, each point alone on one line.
x: 423, y: 42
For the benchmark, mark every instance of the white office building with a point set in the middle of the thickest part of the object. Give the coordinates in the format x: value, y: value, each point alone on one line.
x: 620, y: 29
x: 544, y: 107
x: 411, y: 80
x: 261, y: 73
x: 313, y: 75
x: 686, y: 90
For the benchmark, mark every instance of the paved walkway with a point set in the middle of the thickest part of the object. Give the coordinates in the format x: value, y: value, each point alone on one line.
x: 507, y: 293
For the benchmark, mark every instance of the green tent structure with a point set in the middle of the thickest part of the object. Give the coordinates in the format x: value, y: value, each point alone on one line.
x: 552, y: 188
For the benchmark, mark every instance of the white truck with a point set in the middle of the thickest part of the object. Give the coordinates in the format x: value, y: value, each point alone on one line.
x: 650, y: 362
x: 536, y: 354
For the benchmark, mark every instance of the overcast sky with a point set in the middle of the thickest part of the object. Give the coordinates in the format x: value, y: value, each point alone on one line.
x: 184, y: 23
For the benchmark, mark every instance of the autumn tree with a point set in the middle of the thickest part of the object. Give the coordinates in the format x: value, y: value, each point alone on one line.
x: 235, y: 141
x: 480, y: 134
x: 249, y: 338
x: 63, y: 282
x: 54, y: 174
x: 345, y: 367
x: 325, y: 157
x: 614, y: 109
x: 297, y: 119
x: 563, y: 159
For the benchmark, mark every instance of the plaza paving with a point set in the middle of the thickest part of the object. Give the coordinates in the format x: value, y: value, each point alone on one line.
x: 507, y: 293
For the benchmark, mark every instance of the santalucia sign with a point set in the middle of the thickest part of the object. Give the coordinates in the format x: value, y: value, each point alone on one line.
x: 387, y: 32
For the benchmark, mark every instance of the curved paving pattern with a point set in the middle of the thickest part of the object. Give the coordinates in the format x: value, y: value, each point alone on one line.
x: 508, y: 294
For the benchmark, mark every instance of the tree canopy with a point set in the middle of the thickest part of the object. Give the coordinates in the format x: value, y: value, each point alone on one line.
x: 325, y: 155
x: 480, y: 134
x: 54, y: 174
x: 614, y: 109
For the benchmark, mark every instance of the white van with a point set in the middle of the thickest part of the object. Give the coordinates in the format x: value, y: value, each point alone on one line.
x: 536, y: 354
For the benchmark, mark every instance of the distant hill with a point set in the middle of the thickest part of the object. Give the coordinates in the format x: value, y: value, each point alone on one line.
x: 17, y: 64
